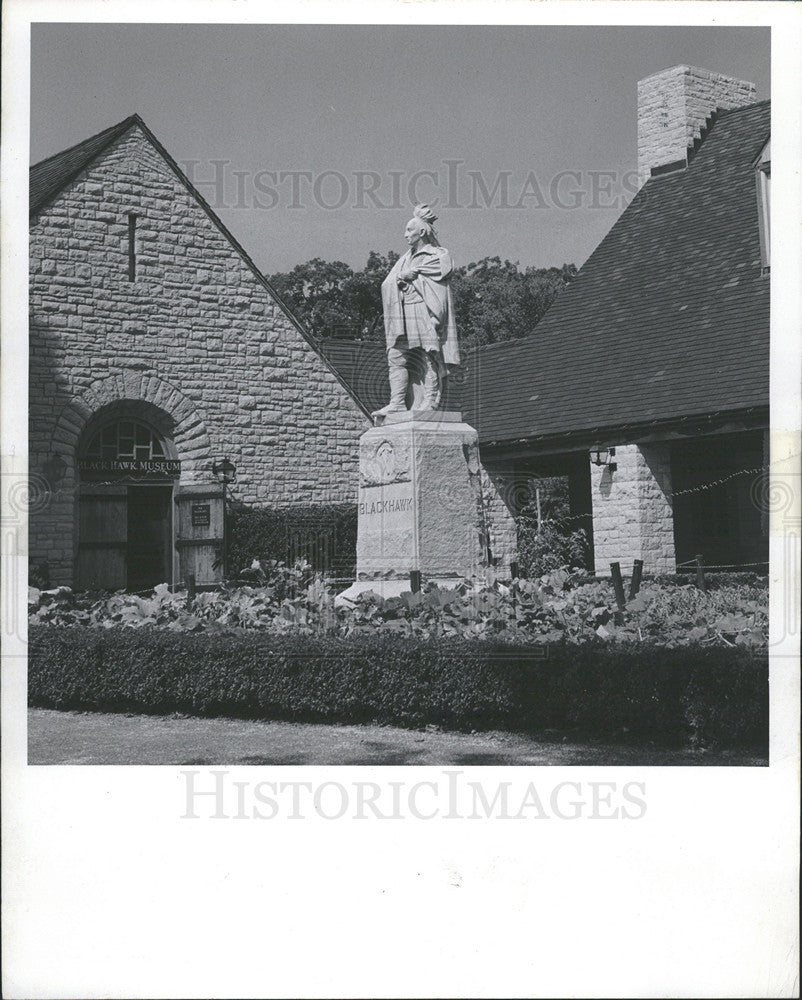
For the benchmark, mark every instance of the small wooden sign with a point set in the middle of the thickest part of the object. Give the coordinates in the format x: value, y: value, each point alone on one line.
x: 201, y: 515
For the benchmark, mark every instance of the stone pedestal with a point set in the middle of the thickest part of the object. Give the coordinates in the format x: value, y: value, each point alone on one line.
x: 419, y: 487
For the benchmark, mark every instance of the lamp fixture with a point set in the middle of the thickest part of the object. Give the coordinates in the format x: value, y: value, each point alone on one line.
x: 601, y: 456
x: 225, y: 471
x: 55, y: 468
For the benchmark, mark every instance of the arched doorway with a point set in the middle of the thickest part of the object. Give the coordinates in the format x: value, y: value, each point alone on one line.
x: 127, y: 472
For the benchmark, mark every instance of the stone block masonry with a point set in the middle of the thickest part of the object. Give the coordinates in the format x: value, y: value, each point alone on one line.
x: 195, y: 343
x: 498, y: 519
x: 673, y: 107
x: 632, y: 510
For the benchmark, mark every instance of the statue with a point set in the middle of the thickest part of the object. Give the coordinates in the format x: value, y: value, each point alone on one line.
x: 419, y: 325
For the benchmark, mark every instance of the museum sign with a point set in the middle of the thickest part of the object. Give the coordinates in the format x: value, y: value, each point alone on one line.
x: 166, y: 466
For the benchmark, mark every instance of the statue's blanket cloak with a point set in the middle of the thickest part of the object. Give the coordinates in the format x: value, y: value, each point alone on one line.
x: 433, y: 286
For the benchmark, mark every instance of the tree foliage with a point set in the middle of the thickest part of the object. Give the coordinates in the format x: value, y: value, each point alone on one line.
x: 333, y: 300
x: 494, y: 300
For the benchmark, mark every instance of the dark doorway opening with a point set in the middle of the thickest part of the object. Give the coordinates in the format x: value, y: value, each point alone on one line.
x: 149, y: 533
x: 717, y: 511
x: 552, y: 489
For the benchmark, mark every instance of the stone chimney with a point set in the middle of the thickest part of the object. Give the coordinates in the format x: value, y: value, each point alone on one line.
x: 674, y: 107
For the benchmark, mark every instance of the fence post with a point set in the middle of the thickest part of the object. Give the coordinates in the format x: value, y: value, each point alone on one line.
x: 513, y: 584
x: 414, y: 580
x: 191, y: 588
x: 637, y: 572
x: 701, y: 583
x: 618, y: 587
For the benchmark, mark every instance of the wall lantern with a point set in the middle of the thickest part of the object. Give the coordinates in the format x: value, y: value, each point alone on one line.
x: 55, y: 468
x: 225, y: 471
x: 602, y: 456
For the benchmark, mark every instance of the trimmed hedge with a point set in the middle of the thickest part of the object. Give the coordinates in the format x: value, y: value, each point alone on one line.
x: 700, y: 695
x: 323, y: 534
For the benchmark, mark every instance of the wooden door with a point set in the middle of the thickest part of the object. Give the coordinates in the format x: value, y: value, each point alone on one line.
x: 102, y: 539
x: 199, y: 534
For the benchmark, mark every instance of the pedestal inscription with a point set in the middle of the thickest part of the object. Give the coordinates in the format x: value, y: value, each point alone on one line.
x: 386, y: 532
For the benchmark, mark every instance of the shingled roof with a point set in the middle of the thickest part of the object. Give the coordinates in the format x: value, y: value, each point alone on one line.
x: 668, y: 319
x: 362, y: 367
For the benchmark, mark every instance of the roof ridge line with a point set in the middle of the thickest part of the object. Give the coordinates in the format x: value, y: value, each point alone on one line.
x: 127, y: 122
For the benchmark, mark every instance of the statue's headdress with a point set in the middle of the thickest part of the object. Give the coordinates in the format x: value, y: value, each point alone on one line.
x: 426, y: 217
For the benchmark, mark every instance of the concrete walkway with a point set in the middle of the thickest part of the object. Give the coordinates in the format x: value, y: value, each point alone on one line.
x: 100, y: 738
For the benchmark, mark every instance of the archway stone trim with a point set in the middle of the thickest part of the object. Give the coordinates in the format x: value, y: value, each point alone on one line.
x: 190, y: 437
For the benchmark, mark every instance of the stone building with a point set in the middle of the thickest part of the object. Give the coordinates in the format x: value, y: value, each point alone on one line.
x: 646, y: 385
x: 158, y: 350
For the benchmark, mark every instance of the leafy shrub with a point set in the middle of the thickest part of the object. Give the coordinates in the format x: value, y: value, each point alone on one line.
x: 39, y: 576
x: 715, y: 580
x: 546, y: 539
x: 558, y: 606
x: 705, y: 696
x: 278, y: 580
x: 549, y: 547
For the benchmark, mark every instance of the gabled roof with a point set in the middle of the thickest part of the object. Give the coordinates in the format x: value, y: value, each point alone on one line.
x: 49, y: 177
x: 668, y: 319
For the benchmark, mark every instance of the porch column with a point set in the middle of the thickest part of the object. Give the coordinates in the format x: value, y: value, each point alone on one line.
x: 498, y: 520
x: 633, y: 516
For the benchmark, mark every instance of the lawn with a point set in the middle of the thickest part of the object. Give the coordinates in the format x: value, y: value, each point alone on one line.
x: 104, y: 738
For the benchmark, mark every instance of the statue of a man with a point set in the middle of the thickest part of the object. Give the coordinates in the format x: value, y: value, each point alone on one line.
x: 419, y: 315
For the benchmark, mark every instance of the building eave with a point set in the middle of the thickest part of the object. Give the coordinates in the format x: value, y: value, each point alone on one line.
x: 722, y: 422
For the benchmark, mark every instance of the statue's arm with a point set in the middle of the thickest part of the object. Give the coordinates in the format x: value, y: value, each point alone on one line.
x: 437, y: 265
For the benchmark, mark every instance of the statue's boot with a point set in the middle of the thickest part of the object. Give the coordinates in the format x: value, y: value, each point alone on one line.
x: 398, y: 392
x: 432, y: 383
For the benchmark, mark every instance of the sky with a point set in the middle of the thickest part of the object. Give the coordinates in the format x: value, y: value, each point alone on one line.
x: 307, y: 139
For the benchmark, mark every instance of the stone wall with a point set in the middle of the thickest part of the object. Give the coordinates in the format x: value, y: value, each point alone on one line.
x: 195, y: 337
x: 632, y: 510
x: 673, y: 106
